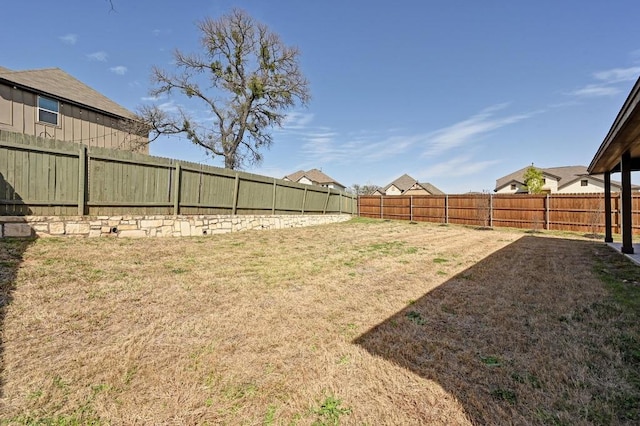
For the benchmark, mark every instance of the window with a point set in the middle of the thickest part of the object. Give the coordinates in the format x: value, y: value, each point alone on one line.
x: 513, y: 186
x: 584, y: 182
x: 48, y: 110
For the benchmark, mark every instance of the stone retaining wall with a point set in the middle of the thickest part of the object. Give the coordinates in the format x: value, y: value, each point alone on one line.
x: 152, y: 226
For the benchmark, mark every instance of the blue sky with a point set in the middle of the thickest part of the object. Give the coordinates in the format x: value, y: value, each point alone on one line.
x: 455, y: 93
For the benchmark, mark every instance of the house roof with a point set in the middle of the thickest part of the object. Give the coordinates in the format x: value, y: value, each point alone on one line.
x: 406, y: 182
x: 314, y: 175
x: 296, y: 176
x: 59, y: 84
x: 403, y: 183
x: 430, y: 188
x: 565, y: 175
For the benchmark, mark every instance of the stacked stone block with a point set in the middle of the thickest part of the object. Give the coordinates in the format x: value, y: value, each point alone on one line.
x: 152, y: 226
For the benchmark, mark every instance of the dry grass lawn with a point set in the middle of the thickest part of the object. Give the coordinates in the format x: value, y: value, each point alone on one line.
x: 365, y: 323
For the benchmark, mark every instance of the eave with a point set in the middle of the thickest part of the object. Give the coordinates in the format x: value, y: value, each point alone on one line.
x: 623, y: 136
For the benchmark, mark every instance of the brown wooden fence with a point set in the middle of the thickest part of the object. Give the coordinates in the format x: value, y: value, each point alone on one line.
x: 565, y: 212
x: 46, y: 178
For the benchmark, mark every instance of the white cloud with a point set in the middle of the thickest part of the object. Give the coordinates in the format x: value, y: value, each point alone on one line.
x: 152, y: 98
x: 98, y: 56
x: 607, y: 80
x: 158, y: 32
x: 69, y: 38
x: 324, y: 145
x: 169, y: 107
x: 296, y: 120
x: 617, y: 75
x: 120, y: 70
x: 564, y: 104
x: 320, y: 138
x: 321, y: 146
x: 329, y: 147
x: 467, y: 130
x: 389, y: 147
x: 595, y: 90
x: 457, y: 167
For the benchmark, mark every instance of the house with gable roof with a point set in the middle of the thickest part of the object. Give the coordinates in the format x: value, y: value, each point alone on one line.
x: 52, y: 104
x: 557, y: 180
x: 406, y: 185
x: 315, y: 177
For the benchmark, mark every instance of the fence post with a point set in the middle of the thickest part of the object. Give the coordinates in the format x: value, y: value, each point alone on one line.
x: 411, y: 208
x: 304, y: 200
x: 82, y: 179
x: 547, y: 212
x: 341, y: 203
x: 176, y: 190
x: 326, y: 202
x: 236, y: 189
x: 273, y: 205
x: 381, y: 208
x: 490, y: 210
x: 446, y: 208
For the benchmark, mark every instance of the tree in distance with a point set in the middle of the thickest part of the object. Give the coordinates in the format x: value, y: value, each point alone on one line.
x: 366, y: 189
x: 246, y: 77
x: 533, y: 180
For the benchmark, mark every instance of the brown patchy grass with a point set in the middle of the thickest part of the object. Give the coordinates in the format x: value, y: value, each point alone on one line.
x: 366, y: 322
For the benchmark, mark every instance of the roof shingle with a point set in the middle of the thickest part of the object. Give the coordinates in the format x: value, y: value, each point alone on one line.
x: 403, y: 183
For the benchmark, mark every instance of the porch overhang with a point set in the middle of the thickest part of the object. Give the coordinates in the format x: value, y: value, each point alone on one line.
x: 620, y: 152
x: 623, y: 136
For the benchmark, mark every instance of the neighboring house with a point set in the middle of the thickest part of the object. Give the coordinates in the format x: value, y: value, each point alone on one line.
x: 52, y: 104
x: 557, y: 180
x: 314, y: 177
x: 406, y: 185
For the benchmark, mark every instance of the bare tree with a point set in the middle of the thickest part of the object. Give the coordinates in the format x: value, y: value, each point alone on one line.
x: 135, y: 134
x: 246, y: 76
x: 594, y: 207
x: 483, y: 210
x: 366, y: 189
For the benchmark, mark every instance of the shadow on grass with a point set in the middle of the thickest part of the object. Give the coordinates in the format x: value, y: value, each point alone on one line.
x: 522, y: 337
x: 11, y: 255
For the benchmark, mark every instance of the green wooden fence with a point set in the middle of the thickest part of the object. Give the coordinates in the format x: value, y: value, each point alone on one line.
x: 45, y: 177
